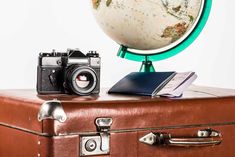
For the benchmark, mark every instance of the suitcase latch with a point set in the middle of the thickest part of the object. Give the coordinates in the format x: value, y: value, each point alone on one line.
x: 97, y: 144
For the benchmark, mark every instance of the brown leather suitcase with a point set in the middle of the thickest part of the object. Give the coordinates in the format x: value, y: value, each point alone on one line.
x: 201, y: 123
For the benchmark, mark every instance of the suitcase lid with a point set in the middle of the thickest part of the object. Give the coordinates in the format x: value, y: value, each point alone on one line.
x: 66, y: 114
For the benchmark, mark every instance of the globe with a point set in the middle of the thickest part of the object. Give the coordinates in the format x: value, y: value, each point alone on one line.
x: 150, y: 28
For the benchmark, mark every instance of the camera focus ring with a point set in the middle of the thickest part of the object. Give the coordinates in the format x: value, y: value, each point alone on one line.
x: 82, y: 80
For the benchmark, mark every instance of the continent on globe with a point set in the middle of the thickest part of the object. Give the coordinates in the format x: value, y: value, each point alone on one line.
x: 96, y: 3
x: 147, y: 24
x: 175, y: 32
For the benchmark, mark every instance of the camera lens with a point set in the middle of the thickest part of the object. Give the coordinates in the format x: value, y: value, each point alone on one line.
x: 82, y: 80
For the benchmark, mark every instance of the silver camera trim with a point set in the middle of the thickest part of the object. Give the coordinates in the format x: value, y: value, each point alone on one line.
x: 95, y: 61
x: 51, y: 61
x: 78, y: 61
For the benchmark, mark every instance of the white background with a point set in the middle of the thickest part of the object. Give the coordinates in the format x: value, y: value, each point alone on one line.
x: 28, y: 27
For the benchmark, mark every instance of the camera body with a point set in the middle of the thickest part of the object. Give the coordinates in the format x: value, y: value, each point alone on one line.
x: 70, y: 72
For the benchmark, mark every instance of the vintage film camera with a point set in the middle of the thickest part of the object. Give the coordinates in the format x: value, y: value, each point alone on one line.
x: 72, y: 73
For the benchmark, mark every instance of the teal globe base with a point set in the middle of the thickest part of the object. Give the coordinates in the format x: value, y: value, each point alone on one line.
x: 147, y: 66
x: 147, y: 59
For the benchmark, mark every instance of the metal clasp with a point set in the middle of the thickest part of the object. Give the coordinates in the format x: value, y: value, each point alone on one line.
x: 97, y: 144
x: 103, y: 126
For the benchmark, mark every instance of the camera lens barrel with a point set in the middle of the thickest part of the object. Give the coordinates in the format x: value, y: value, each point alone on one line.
x: 81, y: 80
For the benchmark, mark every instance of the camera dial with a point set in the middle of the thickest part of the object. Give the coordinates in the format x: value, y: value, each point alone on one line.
x: 92, y: 54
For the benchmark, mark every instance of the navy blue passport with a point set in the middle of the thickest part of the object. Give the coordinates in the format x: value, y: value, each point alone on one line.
x: 141, y: 83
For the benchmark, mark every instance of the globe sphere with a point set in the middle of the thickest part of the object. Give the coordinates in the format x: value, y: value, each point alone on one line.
x: 148, y: 24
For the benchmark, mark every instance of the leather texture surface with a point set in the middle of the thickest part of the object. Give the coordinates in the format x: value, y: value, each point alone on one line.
x: 22, y: 135
x: 59, y: 146
x: 19, y: 108
x: 124, y: 144
x: 17, y: 143
x: 127, y: 144
x: 226, y: 148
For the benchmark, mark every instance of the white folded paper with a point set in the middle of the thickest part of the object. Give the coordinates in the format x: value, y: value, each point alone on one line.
x: 178, y: 84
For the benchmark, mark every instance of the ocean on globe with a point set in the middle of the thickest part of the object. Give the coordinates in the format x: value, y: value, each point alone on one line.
x: 148, y: 24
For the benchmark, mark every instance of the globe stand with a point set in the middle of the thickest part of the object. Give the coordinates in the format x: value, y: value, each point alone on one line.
x: 147, y: 59
x: 147, y: 64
